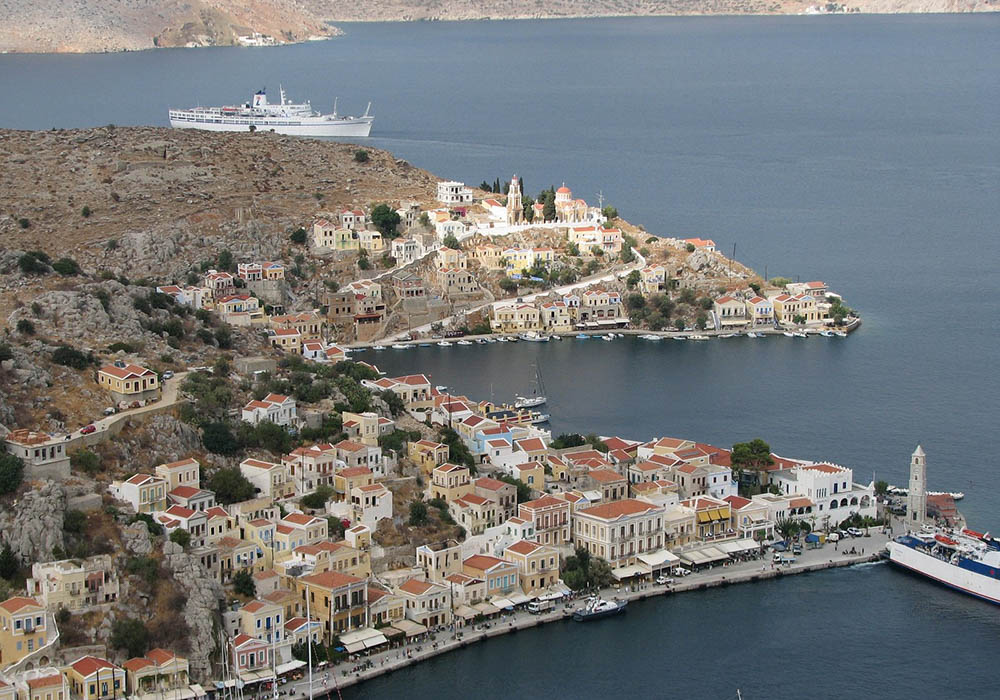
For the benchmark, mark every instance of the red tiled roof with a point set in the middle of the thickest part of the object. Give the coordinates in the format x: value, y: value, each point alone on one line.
x: 524, y: 547
x: 88, y: 665
x: 12, y: 605
x: 482, y: 562
x: 331, y: 579
x: 416, y: 587
x: 617, y: 509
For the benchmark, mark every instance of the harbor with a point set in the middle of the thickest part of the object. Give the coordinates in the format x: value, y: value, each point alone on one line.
x: 329, y: 679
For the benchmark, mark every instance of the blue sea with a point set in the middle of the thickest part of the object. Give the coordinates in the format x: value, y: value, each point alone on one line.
x: 859, y: 150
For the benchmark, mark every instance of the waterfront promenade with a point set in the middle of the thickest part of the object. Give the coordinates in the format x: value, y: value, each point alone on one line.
x: 361, y: 668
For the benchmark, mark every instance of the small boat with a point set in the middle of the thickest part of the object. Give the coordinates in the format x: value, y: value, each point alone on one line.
x: 441, y: 388
x: 680, y: 337
x: 800, y: 334
x: 501, y: 339
x: 465, y: 342
x: 525, y: 402
x: 400, y: 346
x: 555, y: 337
x: 697, y: 337
x: 728, y: 335
x: 751, y: 334
x: 489, y: 340
x: 533, y: 337
x: 480, y: 341
x: 512, y: 338
x: 840, y: 334
x: 826, y: 334
x: 444, y: 344
x: 538, y: 418
x: 582, y: 336
x: 379, y: 347
x: 609, y: 336
x: 426, y: 345
x: 598, y: 607
x: 788, y: 334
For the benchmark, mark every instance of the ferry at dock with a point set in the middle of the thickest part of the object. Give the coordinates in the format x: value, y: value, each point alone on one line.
x: 967, y: 561
x: 286, y: 117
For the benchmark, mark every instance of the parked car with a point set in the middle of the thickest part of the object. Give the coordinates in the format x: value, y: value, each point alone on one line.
x: 797, y: 549
x: 833, y: 537
x: 664, y: 581
x: 87, y: 429
x: 843, y: 534
x: 855, y: 532
x: 168, y: 374
x: 110, y: 411
x: 681, y: 571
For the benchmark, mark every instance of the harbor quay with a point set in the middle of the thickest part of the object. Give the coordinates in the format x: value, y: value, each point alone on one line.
x: 757, y: 568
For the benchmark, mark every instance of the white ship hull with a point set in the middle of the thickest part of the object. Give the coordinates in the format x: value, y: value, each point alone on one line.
x: 344, y: 128
x: 978, y: 585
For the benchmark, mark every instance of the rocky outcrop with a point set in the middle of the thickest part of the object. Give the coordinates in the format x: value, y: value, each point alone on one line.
x: 135, y: 537
x: 159, y: 439
x: 34, y: 528
x: 201, y: 611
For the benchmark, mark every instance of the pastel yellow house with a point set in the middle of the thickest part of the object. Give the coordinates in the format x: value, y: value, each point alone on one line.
x: 450, y: 481
x: 371, y: 241
x: 128, y: 382
x: 330, y: 236
x: 537, y: 565
x: 515, y: 318
x: 652, y: 279
x: 24, y: 629
x: 532, y: 474
x: 490, y: 256
x: 518, y: 260
x: 93, y: 678
x: 160, y: 673
x: 449, y: 257
x: 427, y: 454
x: 51, y: 687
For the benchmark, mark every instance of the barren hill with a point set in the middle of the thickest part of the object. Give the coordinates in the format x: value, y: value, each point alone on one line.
x: 119, y: 25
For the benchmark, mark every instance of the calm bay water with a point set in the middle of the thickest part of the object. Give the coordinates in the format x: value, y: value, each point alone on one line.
x: 864, y: 151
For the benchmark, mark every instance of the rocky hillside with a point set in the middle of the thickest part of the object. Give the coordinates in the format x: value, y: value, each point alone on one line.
x: 129, y: 25
x: 386, y: 10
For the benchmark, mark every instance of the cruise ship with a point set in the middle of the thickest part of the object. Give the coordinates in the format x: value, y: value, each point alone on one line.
x: 285, y: 117
x: 966, y: 560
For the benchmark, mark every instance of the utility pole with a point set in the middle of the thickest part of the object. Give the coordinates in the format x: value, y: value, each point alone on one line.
x: 309, y: 645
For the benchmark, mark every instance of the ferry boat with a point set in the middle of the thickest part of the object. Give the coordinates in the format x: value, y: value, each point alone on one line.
x: 967, y: 561
x: 598, y: 607
x: 288, y: 118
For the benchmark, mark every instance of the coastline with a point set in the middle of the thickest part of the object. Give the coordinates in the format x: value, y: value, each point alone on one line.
x: 348, y: 673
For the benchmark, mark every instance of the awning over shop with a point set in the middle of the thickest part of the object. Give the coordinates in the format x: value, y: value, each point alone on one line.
x: 198, y: 691
x: 658, y: 560
x: 703, y: 517
x: 487, y: 609
x: 627, y: 572
x: 502, y: 603
x: 409, y: 627
x: 518, y: 598
x: 353, y: 647
x: 378, y: 640
x: 255, y: 676
x: 550, y: 594
x: 390, y: 631
x: 361, y: 639
x: 714, y: 554
x: 290, y: 666
x: 465, y: 612
x: 693, y: 558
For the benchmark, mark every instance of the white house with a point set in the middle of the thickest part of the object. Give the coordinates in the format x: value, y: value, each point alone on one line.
x: 452, y: 192
x: 276, y: 408
x: 831, y: 488
x: 370, y: 504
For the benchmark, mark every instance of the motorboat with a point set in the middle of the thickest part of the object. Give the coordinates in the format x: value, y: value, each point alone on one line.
x: 582, y: 336
x: 444, y: 344
x: 697, y: 337
x: 465, y: 342
x: 598, y: 607
x: 379, y: 347
x: 400, y: 346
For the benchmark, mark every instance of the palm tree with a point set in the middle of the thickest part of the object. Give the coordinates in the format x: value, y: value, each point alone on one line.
x: 787, y: 527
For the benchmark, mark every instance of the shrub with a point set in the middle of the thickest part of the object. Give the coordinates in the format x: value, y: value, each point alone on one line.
x: 230, y: 486
x: 418, y: 514
x: 32, y: 264
x: 318, y: 498
x: 298, y: 236
x: 5, y: 352
x: 85, y: 461
x: 181, y: 536
x: 9, y: 563
x: 124, y: 347
x: 361, y: 156
x: 70, y: 357
x: 244, y: 585
x: 74, y: 521
x: 23, y: 222
x: 85, y: 212
x: 144, y: 567
x: 131, y: 636
x: 218, y: 438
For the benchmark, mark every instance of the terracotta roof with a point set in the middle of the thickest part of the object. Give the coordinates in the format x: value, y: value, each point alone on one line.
x: 825, y: 468
x: 524, y: 547
x: 331, y: 579
x: 416, y: 587
x: 127, y: 371
x: 88, y: 665
x: 300, y: 519
x: 617, y: 509
x: 486, y: 482
x: 354, y: 471
x: 737, y: 502
x: 543, y: 502
x: 12, y: 605
x: 55, y: 679
x: 605, y: 476
x: 482, y: 562
x: 800, y: 502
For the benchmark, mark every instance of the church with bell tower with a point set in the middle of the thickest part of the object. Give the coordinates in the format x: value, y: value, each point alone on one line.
x: 916, y: 499
x: 515, y: 209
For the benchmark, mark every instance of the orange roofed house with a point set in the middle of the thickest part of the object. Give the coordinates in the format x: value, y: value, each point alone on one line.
x: 619, y: 531
x: 127, y: 382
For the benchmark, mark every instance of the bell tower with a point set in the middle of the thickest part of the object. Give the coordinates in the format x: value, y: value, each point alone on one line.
x: 916, y: 499
x: 515, y: 210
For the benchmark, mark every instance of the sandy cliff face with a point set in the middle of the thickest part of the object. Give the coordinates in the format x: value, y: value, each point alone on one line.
x: 116, y: 25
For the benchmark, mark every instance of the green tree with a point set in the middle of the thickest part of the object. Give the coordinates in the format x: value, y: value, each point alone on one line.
x: 418, y: 514
x: 754, y: 455
x: 424, y: 220
x: 610, y: 212
x: 225, y: 261
x: 393, y: 401
x: 318, y: 498
x: 85, y: 212
x: 679, y: 324
x: 523, y: 490
x: 131, y: 636
x: 701, y: 321
x: 74, y: 522
x: 451, y: 241
x: 335, y: 528
x: 633, y: 279
x: 798, y: 319
x: 298, y: 236
x: 881, y: 488
x: 458, y: 451
x: 385, y: 219
x: 243, y: 584
x: 218, y: 438
x: 635, y: 301
x: 565, y: 440
x: 230, y: 486
x: 8, y: 563
x: 25, y: 327
x: 32, y: 263
x: 11, y: 473
x: 508, y: 285
x: 70, y: 357
x: 181, y: 536
x: 787, y: 528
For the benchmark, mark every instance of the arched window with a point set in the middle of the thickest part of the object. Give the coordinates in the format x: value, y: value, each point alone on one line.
x: 854, y: 501
x: 833, y: 504
x: 843, y: 502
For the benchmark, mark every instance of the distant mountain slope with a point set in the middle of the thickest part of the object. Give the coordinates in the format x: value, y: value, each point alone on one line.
x: 381, y: 10
x: 116, y: 25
